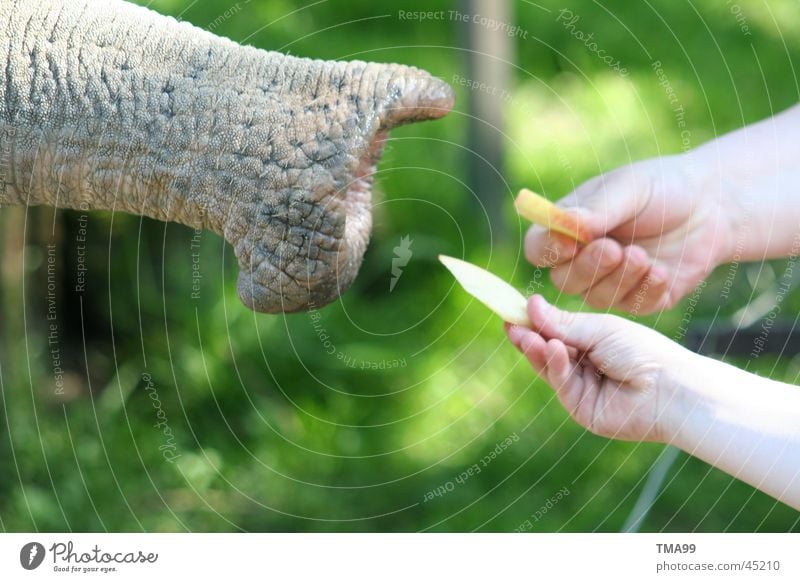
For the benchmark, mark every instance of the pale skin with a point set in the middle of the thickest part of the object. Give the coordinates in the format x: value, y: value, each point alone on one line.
x: 667, y: 223
x: 675, y: 218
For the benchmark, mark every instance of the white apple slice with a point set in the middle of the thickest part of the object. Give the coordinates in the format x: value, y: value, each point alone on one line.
x: 490, y: 290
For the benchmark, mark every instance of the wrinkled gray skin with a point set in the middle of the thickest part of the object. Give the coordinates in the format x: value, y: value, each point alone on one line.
x: 107, y: 105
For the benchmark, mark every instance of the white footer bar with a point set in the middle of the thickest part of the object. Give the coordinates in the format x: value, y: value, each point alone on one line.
x: 355, y: 557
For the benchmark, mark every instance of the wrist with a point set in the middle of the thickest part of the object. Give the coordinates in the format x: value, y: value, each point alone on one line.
x: 719, y: 204
x: 698, y: 392
x: 724, y: 200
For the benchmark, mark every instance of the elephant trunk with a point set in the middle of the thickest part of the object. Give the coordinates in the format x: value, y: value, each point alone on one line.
x: 106, y: 105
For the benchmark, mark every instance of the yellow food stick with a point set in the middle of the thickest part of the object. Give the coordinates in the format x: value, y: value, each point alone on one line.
x: 490, y: 290
x: 540, y: 210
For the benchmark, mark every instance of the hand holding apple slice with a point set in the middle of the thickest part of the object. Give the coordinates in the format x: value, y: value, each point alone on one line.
x: 490, y: 290
x: 540, y: 210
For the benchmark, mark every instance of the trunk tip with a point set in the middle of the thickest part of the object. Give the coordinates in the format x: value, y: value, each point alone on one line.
x: 422, y: 97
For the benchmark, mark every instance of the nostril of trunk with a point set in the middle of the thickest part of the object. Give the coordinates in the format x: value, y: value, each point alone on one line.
x: 416, y: 95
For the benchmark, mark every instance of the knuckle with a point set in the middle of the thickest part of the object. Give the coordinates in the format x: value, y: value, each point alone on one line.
x: 603, y: 294
x: 568, y: 288
x: 596, y: 302
x: 636, y: 258
x: 633, y: 274
x: 559, y: 278
x: 526, y: 345
x: 573, y: 284
x: 567, y: 319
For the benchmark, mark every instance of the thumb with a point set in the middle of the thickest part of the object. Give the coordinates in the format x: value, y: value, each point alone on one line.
x: 602, y: 204
x: 610, y: 200
x: 580, y: 330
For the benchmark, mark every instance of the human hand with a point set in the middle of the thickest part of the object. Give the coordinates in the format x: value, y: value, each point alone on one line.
x: 657, y: 237
x: 615, y: 377
x: 622, y: 380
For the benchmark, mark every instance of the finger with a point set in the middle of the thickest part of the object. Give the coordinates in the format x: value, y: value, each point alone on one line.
x: 545, y: 248
x: 610, y: 200
x: 530, y: 343
x: 617, y: 285
x: 558, y: 364
x: 603, y: 203
x: 515, y: 334
x: 579, y: 330
x: 593, y: 263
x: 534, y: 348
x: 651, y: 295
x: 570, y: 393
x: 573, y: 353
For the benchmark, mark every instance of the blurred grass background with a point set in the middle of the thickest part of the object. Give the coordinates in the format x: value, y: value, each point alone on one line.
x: 271, y: 432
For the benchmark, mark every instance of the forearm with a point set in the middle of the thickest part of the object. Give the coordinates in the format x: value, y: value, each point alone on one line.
x: 742, y: 424
x: 754, y: 174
